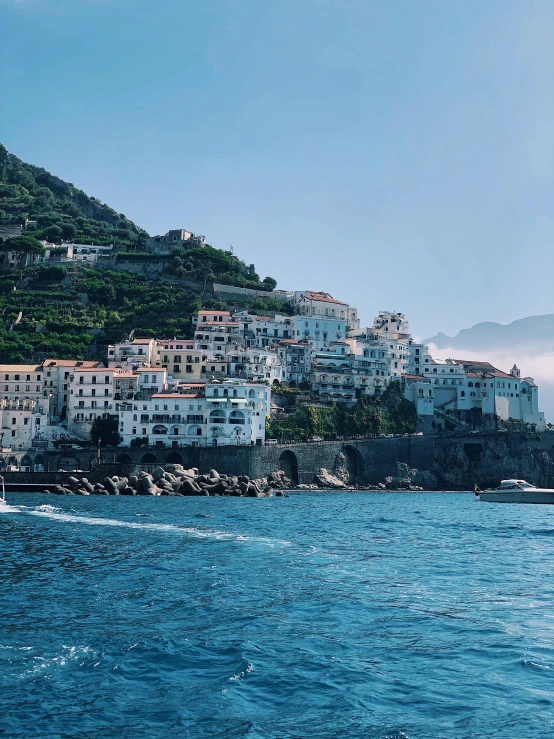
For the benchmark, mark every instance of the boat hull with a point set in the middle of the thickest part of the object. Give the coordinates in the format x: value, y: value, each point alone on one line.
x: 517, y: 496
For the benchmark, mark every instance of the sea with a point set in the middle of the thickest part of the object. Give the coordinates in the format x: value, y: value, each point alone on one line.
x: 374, y: 615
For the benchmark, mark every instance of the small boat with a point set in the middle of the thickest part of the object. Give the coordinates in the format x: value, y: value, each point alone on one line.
x: 516, y: 491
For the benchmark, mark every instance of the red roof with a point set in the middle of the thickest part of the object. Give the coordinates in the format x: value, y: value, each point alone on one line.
x: 498, y: 373
x: 323, y: 297
x: 69, y: 363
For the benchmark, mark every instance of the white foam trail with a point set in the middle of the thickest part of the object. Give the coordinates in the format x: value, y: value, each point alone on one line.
x: 57, y: 514
x: 5, y: 508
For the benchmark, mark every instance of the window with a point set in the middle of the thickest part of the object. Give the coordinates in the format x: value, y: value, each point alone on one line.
x: 14, y: 421
x: 26, y: 421
x: 94, y: 379
x: 93, y: 392
x: 6, y: 377
x: 107, y: 379
x: 13, y: 433
x: 17, y: 377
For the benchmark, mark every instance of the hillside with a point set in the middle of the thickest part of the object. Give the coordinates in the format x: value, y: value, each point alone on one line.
x: 533, y: 335
x: 72, y: 311
x: 62, y: 210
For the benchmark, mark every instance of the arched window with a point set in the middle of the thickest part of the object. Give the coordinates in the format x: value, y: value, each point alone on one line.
x: 463, y: 393
x: 218, y: 416
x: 470, y: 384
x: 477, y: 384
x: 252, y: 393
x: 134, y: 430
x: 216, y: 393
x: 225, y: 392
x: 234, y: 393
x: 236, y: 417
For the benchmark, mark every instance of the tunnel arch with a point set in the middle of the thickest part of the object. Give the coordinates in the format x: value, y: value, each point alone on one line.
x: 174, y: 458
x: 148, y: 458
x: 354, y: 463
x: 124, y: 459
x: 288, y: 462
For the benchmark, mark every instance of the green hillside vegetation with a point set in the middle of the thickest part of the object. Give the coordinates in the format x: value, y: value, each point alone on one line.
x: 207, y: 264
x: 57, y: 323
x: 390, y: 413
x: 62, y: 210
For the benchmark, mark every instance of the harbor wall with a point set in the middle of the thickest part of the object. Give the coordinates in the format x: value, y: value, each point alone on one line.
x: 453, y: 462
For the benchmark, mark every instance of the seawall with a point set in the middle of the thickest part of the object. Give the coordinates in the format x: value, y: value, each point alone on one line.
x: 456, y: 462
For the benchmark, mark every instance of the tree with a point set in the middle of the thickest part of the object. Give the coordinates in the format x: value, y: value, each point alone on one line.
x: 106, y: 430
x: 69, y: 230
x: 54, y: 233
x: 270, y: 283
x: 23, y: 247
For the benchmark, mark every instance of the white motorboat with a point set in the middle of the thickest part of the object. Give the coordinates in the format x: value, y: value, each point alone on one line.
x: 516, y: 491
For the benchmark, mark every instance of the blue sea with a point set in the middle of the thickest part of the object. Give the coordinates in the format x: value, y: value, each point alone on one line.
x: 375, y: 615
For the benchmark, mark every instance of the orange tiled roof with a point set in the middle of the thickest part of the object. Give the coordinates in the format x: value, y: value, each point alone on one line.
x: 323, y: 297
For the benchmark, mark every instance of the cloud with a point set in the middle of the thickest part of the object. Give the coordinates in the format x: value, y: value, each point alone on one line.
x: 538, y: 366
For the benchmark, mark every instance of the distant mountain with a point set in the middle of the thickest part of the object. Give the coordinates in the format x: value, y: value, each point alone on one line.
x: 531, y: 335
x: 61, y: 210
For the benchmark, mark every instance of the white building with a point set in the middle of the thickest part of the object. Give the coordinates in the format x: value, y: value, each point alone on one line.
x: 132, y: 354
x: 296, y: 360
x: 90, y: 253
x: 21, y: 420
x: 254, y: 364
x: 57, y: 377
x: 91, y: 396
x: 217, y: 327
x: 231, y: 412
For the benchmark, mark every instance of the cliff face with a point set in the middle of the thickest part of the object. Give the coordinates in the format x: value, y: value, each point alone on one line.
x: 461, y: 462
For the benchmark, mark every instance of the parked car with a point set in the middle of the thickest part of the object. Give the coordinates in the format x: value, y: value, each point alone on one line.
x: 315, y: 438
x: 269, y: 442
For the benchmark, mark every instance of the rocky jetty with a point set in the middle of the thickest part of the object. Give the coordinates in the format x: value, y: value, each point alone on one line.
x: 174, y: 480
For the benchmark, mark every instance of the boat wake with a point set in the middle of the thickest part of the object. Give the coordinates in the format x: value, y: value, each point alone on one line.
x: 57, y: 514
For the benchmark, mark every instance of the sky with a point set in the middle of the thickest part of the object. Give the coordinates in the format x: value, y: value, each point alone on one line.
x: 398, y: 155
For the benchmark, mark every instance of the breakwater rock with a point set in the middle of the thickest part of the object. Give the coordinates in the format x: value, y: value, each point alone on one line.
x: 175, y: 480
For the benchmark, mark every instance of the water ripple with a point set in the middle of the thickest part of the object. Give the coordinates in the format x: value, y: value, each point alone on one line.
x: 383, y: 616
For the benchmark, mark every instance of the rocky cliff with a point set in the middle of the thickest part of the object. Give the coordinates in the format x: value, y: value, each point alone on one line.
x: 461, y: 462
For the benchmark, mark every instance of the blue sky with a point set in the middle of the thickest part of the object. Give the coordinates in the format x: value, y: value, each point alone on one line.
x: 396, y: 154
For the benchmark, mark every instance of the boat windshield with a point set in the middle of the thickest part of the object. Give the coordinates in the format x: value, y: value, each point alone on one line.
x: 523, y: 484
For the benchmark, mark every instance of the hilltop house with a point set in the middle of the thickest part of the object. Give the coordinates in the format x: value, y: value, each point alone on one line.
x: 176, y: 237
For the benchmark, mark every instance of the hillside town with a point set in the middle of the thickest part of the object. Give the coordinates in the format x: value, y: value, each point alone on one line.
x: 216, y: 388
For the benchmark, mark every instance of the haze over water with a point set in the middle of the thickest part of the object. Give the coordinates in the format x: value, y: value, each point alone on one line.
x: 321, y: 615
